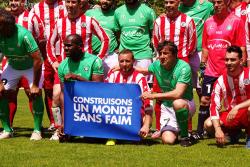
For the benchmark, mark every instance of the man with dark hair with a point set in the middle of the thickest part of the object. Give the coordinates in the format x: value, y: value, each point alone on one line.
x: 232, y: 90
x: 174, y: 78
x: 75, y: 23
x: 24, y: 59
x: 221, y: 30
x: 127, y: 74
x: 78, y: 66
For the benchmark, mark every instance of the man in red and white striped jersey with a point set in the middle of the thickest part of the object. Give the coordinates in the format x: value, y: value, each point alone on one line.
x: 233, y: 88
x: 49, y: 11
x: 127, y: 74
x: 75, y: 23
x: 179, y: 28
x: 31, y: 22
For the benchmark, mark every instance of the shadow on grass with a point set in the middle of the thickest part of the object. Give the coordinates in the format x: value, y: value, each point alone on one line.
x: 90, y: 140
x: 229, y: 145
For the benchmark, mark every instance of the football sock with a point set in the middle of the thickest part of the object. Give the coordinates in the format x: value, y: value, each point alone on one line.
x: 38, y: 112
x: 182, y: 119
x: 203, y: 115
x: 4, y: 114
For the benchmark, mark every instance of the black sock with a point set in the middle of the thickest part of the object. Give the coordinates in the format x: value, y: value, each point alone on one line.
x: 203, y: 115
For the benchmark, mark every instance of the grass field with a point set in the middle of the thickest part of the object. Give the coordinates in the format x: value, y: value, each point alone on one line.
x: 20, y: 151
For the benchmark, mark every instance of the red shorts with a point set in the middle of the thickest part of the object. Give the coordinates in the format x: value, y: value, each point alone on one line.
x: 23, y: 82
x: 240, y: 120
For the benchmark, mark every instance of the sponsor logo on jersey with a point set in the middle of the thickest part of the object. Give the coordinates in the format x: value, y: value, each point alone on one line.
x: 25, y: 19
x: 133, y: 31
x: 246, y: 82
x: 85, y: 68
x: 183, y: 24
x: 243, y: 12
x: 218, y: 44
x: 83, y: 25
x: 229, y: 27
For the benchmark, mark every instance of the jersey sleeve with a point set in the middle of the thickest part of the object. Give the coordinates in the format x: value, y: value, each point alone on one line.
x: 97, y: 67
x: 204, y: 37
x: 145, y: 88
x: 116, y: 22
x: 38, y: 28
x: 216, y: 98
x: 192, y: 38
x: 103, y: 37
x: 111, y: 77
x: 185, y: 75
x: 152, y: 17
x: 156, y: 33
x: 240, y: 36
x: 29, y: 43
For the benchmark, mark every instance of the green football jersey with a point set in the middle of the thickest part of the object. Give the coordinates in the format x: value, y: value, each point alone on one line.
x: 106, y: 20
x: 167, y: 79
x: 18, y: 48
x: 135, y: 26
x: 88, y: 65
x: 200, y: 13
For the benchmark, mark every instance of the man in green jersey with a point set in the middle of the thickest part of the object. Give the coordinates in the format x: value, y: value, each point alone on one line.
x: 199, y: 11
x: 174, y: 79
x: 105, y: 16
x: 134, y: 21
x: 24, y: 59
x: 78, y: 66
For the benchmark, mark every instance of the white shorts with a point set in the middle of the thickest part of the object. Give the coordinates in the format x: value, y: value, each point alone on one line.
x: 109, y: 62
x: 144, y: 63
x: 168, y: 119
x: 194, y: 62
x: 11, y: 77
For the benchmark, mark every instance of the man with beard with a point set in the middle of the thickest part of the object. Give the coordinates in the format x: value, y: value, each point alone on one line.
x: 220, y: 31
x: 24, y: 59
x: 127, y: 74
x: 77, y: 66
x: 75, y: 23
x: 174, y: 78
x: 134, y: 22
x: 232, y: 90
x: 49, y: 11
x: 105, y: 16
x: 31, y: 22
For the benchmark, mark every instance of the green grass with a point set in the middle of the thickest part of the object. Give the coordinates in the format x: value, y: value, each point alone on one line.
x: 19, y: 151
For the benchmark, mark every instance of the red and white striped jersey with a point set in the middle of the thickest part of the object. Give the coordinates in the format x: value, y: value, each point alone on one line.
x: 230, y: 90
x: 133, y: 78
x: 49, y: 14
x: 181, y: 31
x: 241, y: 11
x: 32, y: 22
x: 84, y: 26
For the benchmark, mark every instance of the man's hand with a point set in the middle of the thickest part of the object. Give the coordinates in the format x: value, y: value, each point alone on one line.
x: 219, y: 136
x: 34, y: 91
x: 55, y: 66
x: 115, y: 68
x: 231, y: 115
x: 144, y: 131
x: 147, y: 95
x: 201, y: 72
x: 70, y: 76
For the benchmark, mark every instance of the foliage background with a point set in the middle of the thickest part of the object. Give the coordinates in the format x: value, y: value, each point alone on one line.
x: 157, y: 5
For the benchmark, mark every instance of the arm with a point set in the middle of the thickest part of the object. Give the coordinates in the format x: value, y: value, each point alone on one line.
x: 219, y: 134
x: 37, y: 71
x: 235, y: 109
x: 156, y: 34
x: 146, y: 124
x: 103, y: 37
x: 144, y: 71
x: 177, y: 93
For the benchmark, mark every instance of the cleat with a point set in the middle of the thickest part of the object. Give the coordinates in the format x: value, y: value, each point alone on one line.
x: 6, y: 135
x: 186, y: 142
x: 111, y: 142
x: 55, y: 136
x: 52, y: 127
x: 36, y: 135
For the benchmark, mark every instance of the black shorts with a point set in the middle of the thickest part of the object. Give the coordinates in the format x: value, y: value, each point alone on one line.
x: 207, y: 85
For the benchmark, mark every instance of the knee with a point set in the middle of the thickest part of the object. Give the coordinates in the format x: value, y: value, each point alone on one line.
x: 179, y: 104
x: 205, y: 101
x: 168, y: 137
